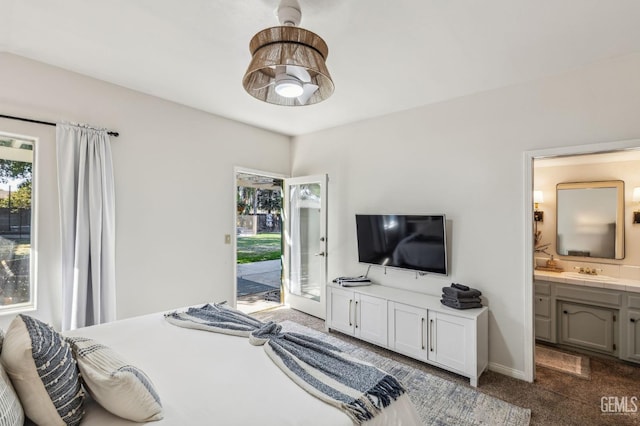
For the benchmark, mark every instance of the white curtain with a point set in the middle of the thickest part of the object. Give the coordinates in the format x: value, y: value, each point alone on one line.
x: 87, y: 216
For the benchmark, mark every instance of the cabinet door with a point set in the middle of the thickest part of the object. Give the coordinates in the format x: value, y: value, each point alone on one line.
x: 341, y: 310
x: 542, y: 306
x: 589, y: 327
x: 451, y: 341
x: 543, y: 323
x: 543, y: 329
x: 633, y: 335
x: 371, y: 319
x: 408, y: 330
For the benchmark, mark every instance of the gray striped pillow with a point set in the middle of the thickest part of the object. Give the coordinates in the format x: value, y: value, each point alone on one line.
x: 43, y: 372
x: 121, y: 388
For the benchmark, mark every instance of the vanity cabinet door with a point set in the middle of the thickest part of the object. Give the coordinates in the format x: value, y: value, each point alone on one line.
x: 542, y: 309
x: 633, y: 335
x: 543, y: 329
x: 589, y: 327
x: 542, y: 306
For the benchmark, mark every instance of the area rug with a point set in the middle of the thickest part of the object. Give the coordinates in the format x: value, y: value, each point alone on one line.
x: 438, y: 401
x: 576, y: 365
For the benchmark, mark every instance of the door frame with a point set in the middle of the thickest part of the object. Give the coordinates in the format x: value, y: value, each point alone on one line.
x: 234, y: 234
x: 529, y: 157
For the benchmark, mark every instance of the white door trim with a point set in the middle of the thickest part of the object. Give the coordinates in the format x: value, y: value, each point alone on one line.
x: 529, y: 156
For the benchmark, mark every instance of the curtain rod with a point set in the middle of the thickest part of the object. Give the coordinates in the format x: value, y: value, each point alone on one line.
x: 48, y: 123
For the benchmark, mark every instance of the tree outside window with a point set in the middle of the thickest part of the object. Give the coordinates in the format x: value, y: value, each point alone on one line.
x: 16, y: 178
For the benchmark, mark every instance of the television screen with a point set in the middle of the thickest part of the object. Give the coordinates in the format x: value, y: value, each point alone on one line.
x: 415, y: 242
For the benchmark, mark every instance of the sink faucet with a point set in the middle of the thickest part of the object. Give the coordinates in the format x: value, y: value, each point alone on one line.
x: 587, y: 270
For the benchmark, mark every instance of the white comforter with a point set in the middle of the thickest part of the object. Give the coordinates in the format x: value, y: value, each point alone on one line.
x: 209, y: 378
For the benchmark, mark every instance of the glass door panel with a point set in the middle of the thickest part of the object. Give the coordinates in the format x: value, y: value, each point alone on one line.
x: 305, y: 247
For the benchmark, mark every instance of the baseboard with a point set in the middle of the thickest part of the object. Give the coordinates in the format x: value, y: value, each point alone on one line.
x: 507, y: 371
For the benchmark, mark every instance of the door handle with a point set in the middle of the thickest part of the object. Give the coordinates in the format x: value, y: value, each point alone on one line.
x: 355, y: 315
x: 320, y: 254
x: 431, y: 335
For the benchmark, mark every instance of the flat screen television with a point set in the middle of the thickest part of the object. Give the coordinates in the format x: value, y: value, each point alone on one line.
x: 414, y: 242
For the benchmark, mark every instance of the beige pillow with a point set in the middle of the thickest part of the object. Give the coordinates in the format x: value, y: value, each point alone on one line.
x: 41, y: 367
x: 121, y: 388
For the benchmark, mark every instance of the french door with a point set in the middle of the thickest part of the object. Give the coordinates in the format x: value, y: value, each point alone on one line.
x: 305, y: 253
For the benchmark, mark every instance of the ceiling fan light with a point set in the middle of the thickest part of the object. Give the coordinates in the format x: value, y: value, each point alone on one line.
x: 289, y: 88
x: 275, y: 48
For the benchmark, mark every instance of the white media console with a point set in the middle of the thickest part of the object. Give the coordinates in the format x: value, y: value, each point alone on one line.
x: 413, y: 324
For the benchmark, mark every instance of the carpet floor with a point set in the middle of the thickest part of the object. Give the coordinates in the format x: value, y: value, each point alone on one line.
x: 437, y: 401
x: 554, y: 398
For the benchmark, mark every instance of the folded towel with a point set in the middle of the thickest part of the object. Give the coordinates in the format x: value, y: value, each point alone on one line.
x: 461, y: 305
x: 456, y: 293
x: 460, y: 286
x: 456, y: 304
x: 461, y: 299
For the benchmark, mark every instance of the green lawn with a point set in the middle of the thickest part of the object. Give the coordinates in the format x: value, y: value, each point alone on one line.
x: 256, y: 248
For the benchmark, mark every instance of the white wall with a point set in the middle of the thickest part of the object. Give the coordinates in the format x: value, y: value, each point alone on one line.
x: 465, y: 158
x: 174, y: 183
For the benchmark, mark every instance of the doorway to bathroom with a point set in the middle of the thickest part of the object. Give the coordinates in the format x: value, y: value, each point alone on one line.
x: 556, y: 318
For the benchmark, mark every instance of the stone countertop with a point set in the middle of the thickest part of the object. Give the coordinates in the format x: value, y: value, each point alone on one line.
x: 598, y: 281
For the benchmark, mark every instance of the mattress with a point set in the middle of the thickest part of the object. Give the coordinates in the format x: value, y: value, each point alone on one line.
x: 211, y: 378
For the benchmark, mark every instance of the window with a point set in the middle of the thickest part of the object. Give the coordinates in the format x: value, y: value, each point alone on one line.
x: 17, y: 290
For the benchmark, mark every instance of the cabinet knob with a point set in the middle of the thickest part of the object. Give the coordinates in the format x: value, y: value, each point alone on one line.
x: 565, y: 312
x: 632, y: 320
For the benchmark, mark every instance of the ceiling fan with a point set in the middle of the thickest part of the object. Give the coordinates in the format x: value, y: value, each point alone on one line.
x: 292, y: 81
x: 288, y: 62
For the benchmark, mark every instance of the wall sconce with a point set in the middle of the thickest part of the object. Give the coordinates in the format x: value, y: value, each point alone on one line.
x: 538, y: 215
x: 636, y: 199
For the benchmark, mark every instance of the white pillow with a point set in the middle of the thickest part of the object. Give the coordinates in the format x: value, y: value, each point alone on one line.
x: 119, y: 387
x: 44, y: 374
x: 11, y: 413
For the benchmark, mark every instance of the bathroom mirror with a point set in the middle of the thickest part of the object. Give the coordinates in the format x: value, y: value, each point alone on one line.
x: 590, y: 219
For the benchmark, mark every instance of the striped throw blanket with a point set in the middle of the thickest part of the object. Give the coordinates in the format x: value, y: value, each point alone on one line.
x: 356, y: 387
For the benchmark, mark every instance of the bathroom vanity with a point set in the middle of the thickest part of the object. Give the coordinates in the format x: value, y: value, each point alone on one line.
x: 592, y: 312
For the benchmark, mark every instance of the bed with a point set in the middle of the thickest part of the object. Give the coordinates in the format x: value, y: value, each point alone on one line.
x: 210, y: 378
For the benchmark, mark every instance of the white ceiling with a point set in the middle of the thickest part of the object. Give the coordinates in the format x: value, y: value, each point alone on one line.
x: 384, y: 56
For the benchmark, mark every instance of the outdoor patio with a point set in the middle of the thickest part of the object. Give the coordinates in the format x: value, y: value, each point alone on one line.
x: 258, y: 285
